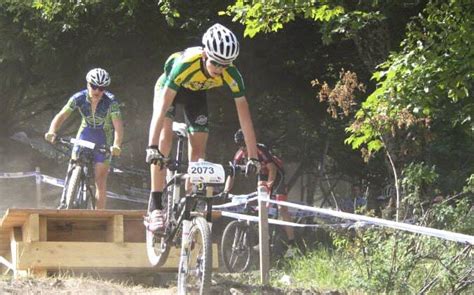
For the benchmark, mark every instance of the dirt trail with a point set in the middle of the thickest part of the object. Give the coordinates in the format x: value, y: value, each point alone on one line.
x: 222, y: 284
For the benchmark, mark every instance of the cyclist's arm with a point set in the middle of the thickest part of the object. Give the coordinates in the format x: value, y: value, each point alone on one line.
x: 118, y: 131
x: 161, y: 102
x: 58, y: 120
x: 272, y: 172
x: 246, y: 124
x: 229, y: 183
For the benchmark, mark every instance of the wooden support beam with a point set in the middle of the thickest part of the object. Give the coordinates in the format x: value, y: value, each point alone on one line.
x: 31, y: 228
x: 43, y: 228
x: 115, y: 232
x: 8, y: 265
x: 86, y: 255
x: 33, y: 242
x: 15, y: 239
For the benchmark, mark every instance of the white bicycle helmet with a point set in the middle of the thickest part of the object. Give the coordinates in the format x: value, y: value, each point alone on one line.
x: 98, y: 77
x: 220, y: 44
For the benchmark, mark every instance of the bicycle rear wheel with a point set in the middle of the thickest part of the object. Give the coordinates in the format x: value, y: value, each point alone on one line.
x: 73, y: 188
x: 157, y: 247
x: 236, y: 246
x: 196, y: 269
x: 278, y: 243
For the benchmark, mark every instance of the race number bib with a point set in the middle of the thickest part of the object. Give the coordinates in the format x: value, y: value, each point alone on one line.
x: 206, y: 172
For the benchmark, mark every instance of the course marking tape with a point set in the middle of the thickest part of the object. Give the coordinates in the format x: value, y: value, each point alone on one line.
x: 17, y: 174
x: 447, y: 235
x: 60, y: 183
x: 282, y: 222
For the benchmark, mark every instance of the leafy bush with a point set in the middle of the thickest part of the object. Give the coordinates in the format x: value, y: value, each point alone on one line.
x: 380, y: 260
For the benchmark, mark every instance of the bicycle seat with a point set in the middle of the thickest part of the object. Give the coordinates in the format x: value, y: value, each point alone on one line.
x: 180, y: 129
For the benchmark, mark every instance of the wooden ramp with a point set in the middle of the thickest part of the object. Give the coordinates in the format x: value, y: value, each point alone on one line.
x: 35, y: 241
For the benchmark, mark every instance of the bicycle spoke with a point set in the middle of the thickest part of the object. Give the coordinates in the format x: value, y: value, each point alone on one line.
x: 236, y: 247
x: 195, y: 271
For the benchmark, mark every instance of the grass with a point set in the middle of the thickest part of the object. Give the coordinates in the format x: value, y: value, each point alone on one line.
x: 320, y: 268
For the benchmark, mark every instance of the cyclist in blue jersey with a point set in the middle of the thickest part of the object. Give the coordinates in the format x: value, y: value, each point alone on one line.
x: 187, y: 75
x: 101, y: 124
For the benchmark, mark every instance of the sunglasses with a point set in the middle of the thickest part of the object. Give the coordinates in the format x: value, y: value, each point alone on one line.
x: 95, y: 87
x: 218, y: 65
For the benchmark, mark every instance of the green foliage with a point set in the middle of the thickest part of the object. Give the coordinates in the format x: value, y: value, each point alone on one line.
x: 416, y: 178
x: 469, y: 188
x: 384, y: 261
x: 316, y: 270
x: 432, y: 74
x: 270, y: 16
x: 454, y: 217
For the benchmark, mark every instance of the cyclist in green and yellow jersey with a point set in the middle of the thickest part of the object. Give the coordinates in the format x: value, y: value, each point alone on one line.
x: 187, y: 75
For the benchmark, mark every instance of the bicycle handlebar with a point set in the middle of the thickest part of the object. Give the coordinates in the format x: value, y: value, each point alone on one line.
x: 70, y: 142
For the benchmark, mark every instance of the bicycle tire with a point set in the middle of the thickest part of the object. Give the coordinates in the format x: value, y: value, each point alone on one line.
x: 196, y: 277
x: 89, y: 202
x: 236, y: 247
x: 73, y: 187
x: 278, y: 243
x: 157, y: 247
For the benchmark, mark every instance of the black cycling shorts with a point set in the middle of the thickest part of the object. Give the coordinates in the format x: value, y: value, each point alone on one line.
x: 195, y: 109
x: 279, y: 187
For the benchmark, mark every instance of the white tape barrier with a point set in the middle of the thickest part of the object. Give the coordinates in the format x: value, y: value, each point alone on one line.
x: 452, y: 236
x: 236, y: 208
x: 252, y: 218
x: 60, y: 183
x: 17, y: 175
x: 51, y: 180
x: 361, y: 220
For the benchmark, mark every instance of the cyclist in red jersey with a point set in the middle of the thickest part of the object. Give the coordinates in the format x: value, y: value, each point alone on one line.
x: 187, y: 76
x: 271, y: 172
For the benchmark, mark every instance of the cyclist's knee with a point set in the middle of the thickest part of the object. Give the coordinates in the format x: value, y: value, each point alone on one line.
x: 281, y: 197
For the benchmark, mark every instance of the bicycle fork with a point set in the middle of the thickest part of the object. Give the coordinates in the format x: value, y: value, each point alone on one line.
x: 183, y: 261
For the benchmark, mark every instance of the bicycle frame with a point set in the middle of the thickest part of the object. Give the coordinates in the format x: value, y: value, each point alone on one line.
x: 86, y: 163
x: 187, y: 223
x: 184, y: 211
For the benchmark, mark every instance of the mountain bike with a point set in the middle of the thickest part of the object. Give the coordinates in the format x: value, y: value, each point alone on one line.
x: 188, y: 218
x: 239, y: 243
x: 78, y: 185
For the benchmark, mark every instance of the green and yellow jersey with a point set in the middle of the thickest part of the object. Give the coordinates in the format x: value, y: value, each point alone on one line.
x: 186, y: 69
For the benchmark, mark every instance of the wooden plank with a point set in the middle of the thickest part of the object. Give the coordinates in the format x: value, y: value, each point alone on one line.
x: 134, y: 230
x: 13, y: 221
x: 64, y: 255
x: 4, y: 241
x: 43, y: 228
x: 16, y: 217
x: 86, y: 255
x: 31, y: 229
x: 15, y: 239
x: 75, y: 212
x: 8, y: 265
x: 115, y: 229
x: 263, y: 240
x: 77, y: 230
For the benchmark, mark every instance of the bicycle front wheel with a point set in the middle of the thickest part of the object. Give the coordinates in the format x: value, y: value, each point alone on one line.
x: 73, y: 188
x: 196, y: 268
x: 157, y: 247
x: 236, y: 247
